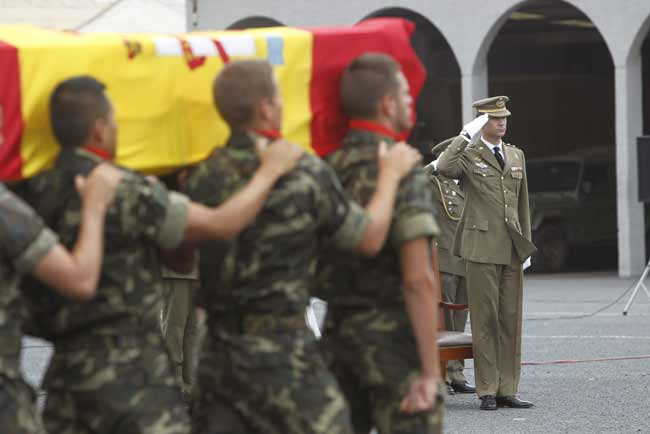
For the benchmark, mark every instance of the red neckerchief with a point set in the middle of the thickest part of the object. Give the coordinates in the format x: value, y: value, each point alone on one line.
x: 270, y: 134
x: 101, y: 153
x: 374, y: 127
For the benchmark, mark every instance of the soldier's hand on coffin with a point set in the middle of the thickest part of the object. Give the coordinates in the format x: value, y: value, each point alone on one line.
x: 98, y: 188
x: 401, y: 158
x: 278, y: 157
x: 473, y: 127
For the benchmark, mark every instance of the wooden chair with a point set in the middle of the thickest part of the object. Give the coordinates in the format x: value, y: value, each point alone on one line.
x: 451, y: 345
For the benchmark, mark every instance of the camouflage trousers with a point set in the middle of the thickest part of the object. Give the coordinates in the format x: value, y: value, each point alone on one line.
x: 454, y: 290
x: 373, y: 354
x: 273, y: 383
x: 18, y: 413
x: 113, y: 384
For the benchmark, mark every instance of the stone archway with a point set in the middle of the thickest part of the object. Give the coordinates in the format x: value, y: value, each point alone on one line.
x: 439, y: 104
x: 253, y: 22
x: 554, y: 64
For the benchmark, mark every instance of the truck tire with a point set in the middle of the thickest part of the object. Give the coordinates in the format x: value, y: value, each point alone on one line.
x: 552, y: 253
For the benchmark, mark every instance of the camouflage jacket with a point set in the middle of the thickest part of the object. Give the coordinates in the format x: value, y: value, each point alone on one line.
x: 24, y: 241
x: 356, y: 281
x: 270, y: 267
x: 143, y: 218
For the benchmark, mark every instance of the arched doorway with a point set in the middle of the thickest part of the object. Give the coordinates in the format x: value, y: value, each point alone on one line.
x: 254, y: 22
x: 439, y: 104
x: 553, y: 63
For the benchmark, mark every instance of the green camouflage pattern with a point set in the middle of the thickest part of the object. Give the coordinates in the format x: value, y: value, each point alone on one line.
x: 113, y: 384
x: 368, y: 339
x: 18, y: 414
x: 93, y: 378
x: 350, y: 280
x: 373, y: 354
x: 24, y: 242
x: 274, y: 383
x: 272, y: 264
x: 260, y: 357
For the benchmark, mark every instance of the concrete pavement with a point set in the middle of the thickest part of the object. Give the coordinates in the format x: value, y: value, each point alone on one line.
x: 611, y: 396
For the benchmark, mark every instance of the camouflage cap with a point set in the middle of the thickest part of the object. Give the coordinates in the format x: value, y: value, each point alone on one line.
x: 440, y: 147
x: 495, y: 106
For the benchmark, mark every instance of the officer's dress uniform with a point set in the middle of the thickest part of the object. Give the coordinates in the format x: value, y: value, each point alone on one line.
x: 449, y: 200
x: 368, y: 339
x: 110, y: 371
x: 24, y: 241
x: 259, y: 357
x: 493, y: 236
x: 180, y: 324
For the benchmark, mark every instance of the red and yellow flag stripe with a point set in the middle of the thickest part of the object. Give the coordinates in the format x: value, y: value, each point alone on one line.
x: 160, y: 86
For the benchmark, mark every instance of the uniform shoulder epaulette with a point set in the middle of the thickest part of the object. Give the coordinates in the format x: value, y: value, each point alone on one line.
x: 509, y: 144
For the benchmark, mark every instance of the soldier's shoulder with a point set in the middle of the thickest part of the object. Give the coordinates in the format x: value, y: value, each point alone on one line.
x: 362, y: 154
x: 313, y: 166
x: 215, y: 162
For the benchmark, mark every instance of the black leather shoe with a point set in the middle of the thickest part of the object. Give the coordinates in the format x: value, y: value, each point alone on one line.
x: 488, y: 402
x: 450, y: 390
x: 512, y: 402
x: 463, y: 387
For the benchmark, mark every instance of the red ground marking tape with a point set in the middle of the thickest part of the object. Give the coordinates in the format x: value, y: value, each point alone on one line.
x: 605, y: 359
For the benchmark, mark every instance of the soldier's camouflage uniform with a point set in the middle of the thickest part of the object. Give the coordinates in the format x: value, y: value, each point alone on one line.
x: 110, y: 372
x: 259, y: 357
x: 24, y: 241
x: 368, y: 339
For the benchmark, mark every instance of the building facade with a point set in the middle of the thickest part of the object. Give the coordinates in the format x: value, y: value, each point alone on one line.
x: 574, y: 71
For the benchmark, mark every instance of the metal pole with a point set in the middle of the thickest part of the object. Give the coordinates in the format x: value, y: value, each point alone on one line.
x: 639, y: 284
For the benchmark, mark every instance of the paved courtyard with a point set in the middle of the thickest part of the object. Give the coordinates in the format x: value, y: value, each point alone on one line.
x: 590, y: 396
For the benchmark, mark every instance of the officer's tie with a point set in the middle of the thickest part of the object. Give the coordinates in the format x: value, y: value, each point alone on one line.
x: 497, y: 154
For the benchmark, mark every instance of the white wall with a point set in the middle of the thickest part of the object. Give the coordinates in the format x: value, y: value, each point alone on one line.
x: 98, y: 15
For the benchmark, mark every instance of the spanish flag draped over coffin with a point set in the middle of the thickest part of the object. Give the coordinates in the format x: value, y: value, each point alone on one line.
x: 160, y: 86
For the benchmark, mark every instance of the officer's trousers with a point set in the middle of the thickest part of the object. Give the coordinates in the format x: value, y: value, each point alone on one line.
x: 495, y: 306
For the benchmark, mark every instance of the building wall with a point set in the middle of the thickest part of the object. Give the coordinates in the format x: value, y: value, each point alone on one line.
x: 98, y: 15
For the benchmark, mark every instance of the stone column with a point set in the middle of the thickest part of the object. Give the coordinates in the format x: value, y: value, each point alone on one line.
x: 474, y: 86
x: 629, y: 125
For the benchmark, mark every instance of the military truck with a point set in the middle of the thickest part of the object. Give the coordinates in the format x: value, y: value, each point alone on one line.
x: 573, y: 204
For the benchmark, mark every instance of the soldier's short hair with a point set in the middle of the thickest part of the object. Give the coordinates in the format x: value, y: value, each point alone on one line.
x: 365, y: 81
x: 240, y: 87
x: 75, y: 104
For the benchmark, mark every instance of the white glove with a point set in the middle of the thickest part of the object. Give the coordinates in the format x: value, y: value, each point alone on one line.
x: 472, y: 128
x: 527, y: 263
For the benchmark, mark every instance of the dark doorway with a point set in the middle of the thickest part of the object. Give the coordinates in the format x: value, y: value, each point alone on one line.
x: 254, y: 22
x: 555, y: 66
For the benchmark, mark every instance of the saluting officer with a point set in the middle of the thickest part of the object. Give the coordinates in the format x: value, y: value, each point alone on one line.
x: 449, y: 202
x: 493, y: 236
